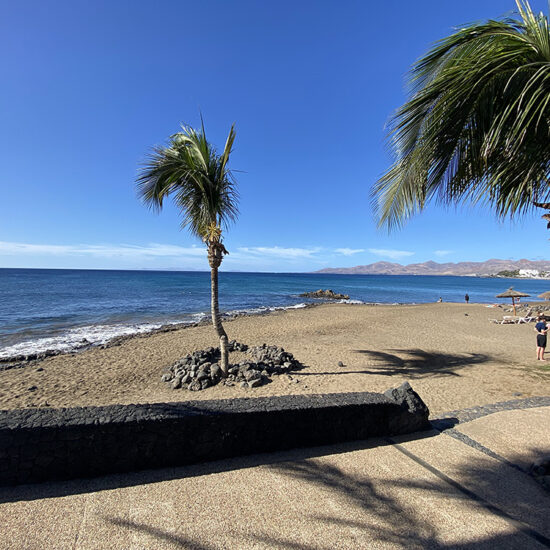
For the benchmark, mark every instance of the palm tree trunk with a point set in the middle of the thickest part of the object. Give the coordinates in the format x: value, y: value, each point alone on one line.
x: 216, y: 320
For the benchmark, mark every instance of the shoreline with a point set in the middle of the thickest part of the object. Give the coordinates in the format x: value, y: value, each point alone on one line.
x: 452, y: 355
x: 23, y: 359
x: 76, y: 311
x: 118, y: 339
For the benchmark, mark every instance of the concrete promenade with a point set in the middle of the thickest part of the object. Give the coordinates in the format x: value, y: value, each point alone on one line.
x: 462, y: 488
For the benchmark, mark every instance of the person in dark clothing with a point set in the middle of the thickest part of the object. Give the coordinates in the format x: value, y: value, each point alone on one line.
x: 466, y: 298
x: 541, y: 329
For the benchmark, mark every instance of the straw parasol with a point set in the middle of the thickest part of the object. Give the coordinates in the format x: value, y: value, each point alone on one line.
x: 544, y: 295
x: 511, y: 293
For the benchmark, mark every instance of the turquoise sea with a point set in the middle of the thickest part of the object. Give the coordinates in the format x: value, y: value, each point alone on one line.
x: 43, y: 309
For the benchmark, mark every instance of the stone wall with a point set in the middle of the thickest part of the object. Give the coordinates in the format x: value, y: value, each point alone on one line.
x: 44, y: 444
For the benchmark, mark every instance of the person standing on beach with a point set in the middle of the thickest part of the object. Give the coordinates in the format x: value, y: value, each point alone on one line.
x: 466, y: 298
x: 541, y: 329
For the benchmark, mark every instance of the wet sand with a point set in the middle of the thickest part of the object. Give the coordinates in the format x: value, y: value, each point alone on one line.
x: 450, y: 353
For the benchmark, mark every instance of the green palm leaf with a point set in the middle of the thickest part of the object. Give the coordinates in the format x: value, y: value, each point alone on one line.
x: 190, y: 169
x: 477, y: 125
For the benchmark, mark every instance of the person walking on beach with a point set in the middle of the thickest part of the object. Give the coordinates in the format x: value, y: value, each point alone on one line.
x: 466, y: 298
x: 541, y: 329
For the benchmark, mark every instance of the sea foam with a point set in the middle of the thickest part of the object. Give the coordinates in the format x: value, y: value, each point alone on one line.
x: 77, y: 338
x: 96, y: 335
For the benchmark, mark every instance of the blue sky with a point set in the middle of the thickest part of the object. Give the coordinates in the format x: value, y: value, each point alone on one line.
x: 89, y: 87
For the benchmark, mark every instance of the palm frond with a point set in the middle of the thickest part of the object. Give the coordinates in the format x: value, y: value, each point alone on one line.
x: 477, y: 125
x: 190, y: 169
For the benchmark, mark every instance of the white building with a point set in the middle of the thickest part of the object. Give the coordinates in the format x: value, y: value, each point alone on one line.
x: 529, y: 273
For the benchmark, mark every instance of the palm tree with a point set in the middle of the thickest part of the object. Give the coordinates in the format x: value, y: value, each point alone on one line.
x: 476, y: 127
x: 203, y: 188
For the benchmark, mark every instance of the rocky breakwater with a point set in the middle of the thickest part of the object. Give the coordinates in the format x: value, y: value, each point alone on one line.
x: 325, y: 294
x: 200, y: 370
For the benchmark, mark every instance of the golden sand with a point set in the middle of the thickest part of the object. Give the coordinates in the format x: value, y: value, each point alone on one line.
x: 450, y: 353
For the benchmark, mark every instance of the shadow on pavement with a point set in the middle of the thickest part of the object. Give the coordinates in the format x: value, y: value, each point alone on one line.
x: 116, y: 481
x: 159, y: 534
x: 360, y: 510
x: 373, y: 512
x: 489, y: 487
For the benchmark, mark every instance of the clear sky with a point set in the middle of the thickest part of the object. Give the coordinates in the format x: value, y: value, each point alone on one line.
x: 88, y: 87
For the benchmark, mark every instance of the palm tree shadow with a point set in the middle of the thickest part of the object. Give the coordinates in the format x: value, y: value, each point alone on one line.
x: 387, y: 511
x: 361, y: 494
x: 159, y: 534
x: 418, y: 363
x: 504, y: 488
x: 493, y: 487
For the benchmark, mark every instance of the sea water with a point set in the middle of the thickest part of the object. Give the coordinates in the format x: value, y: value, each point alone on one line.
x: 50, y: 309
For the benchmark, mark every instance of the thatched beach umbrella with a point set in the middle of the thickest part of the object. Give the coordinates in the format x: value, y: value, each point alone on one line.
x: 511, y: 293
x: 544, y: 295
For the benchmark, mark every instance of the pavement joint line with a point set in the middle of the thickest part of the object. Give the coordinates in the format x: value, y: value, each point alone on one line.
x: 479, y: 412
x: 82, y: 522
x: 517, y: 524
x: 456, y: 434
x: 473, y: 413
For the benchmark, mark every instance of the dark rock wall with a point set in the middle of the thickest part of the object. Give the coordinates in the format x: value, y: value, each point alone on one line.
x: 44, y: 444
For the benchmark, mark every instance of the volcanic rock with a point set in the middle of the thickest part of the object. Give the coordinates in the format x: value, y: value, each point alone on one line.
x: 325, y: 294
x: 200, y: 369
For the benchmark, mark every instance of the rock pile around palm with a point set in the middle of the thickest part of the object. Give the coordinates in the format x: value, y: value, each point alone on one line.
x: 200, y: 369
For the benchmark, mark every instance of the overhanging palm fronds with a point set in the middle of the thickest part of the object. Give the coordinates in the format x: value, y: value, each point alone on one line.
x: 477, y: 126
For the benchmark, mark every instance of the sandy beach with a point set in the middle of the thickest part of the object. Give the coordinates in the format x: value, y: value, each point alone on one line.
x: 451, y: 354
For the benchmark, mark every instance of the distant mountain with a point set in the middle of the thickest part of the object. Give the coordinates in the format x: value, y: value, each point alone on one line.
x: 490, y: 267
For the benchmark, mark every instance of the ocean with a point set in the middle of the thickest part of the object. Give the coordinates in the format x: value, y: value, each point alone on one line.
x: 50, y: 309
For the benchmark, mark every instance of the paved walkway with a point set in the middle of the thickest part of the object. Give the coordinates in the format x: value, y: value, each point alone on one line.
x: 461, y: 488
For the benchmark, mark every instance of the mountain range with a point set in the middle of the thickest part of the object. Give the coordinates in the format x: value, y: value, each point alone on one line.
x: 490, y: 267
